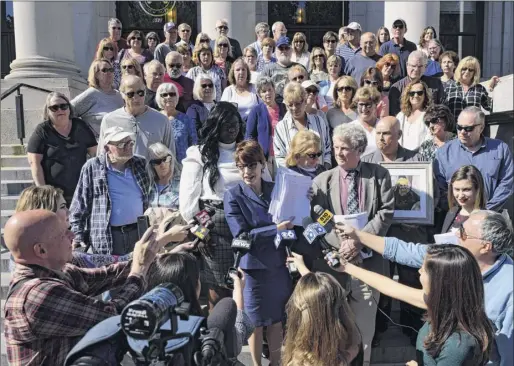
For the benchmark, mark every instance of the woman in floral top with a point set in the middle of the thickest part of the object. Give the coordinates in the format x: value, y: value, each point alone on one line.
x: 163, y: 168
x: 441, y: 124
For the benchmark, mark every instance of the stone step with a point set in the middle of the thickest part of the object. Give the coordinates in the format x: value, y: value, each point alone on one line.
x: 14, y: 161
x: 9, y: 202
x: 16, y: 173
x: 13, y: 149
x: 11, y: 187
x: 5, y: 215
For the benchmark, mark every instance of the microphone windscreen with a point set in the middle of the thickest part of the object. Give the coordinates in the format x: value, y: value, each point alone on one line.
x: 318, y: 210
x: 306, y: 222
x: 223, y: 316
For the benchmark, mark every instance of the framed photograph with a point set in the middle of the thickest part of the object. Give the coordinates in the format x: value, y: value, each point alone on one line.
x: 413, y: 188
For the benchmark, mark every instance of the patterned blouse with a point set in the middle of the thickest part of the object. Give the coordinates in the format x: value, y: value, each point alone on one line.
x: 165, y: 196
x: 428, y: 149
x: 457, y: 100
x: 215, y: 72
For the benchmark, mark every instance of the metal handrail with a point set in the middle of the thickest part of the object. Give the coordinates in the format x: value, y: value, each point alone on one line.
x: 22, y: 85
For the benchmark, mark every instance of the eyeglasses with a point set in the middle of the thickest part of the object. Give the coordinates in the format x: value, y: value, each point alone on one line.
x: 298, y: 41
x: 419, y: 93
x: 299, y: 77
x: 136, y: 39
x: 205, y: 86
x: 170, y: 94
x: 155, y: 162
x: 131, y: 94
x: 107, y: 48
x: 371, y: 82
x: 223, y: 45
x: 62, y: 107
x: 392, y: 66
x: 250, y: 166
x: 398, y: 26
x: 224, y: 27
x: 204, y: 41
x: 174, y: 66
x: 107, y: 69
x: 130, y: 67
x: 330, y: 41
x: 116, y: 28
x: 122, y: 145
x: 250, y: 56
x: 364, y: 105
x: 464, y: 69
x: 464, y: 235
x: 185, y: 30
x: 314, y: 155
x: 314, y: 91
x: 284, y: 48
x: 319, y: 56
x: 466, y: 128
x: 344, y: 88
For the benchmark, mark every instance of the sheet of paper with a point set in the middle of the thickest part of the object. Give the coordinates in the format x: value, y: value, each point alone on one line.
x: 446, y: 238
x: 357, y: 221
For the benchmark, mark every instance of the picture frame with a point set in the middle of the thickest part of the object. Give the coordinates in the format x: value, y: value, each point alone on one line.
x: 413, y: 187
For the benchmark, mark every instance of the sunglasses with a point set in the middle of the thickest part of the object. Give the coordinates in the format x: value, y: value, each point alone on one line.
x: 136, y: 39
x: 223, y: 45
x: 122, y: 145
x: 466, y: 128
x: 131, y: 94
x: 319, y: 56
x: 330, y: 41
x: 284, y: 48
x: 204, y: 41
x: 185, y: 30
x: 344, y: 88
x: 314, y: 155
x: 371, y: 82
x: 170, y: 94
x: 107, y: 48
x: 392, y: 66
x: 464, y: 235
x: 250, y: 166
x: 174, y: 66
x: 397, y: 26
x: 130, y: 67
x: 299, y: 41
x: 364, y: 105
x: 62, y: 107
x: 116, y: 28
x: 419, y: 93
x: 312, y: 91
x: 155, y: 162
x: 107, y: 69
x: 224, y: 27
x: 205, y: 86
x: 464, y: 69
x: 299, y: 77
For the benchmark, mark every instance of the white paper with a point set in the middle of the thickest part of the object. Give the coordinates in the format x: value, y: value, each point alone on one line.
x: 357, y: 221
x: 289, y: 197
x: 446, y: 238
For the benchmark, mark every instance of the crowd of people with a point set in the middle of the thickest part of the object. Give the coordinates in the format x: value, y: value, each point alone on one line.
x: 168, y: 129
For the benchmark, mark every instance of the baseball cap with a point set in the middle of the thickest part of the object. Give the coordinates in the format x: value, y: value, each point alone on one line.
x: 116, y: 133
x: 283, y: 41
x: 308, y: 83
x: 354, y: 26
x: 400, y: 22
x: 169, y: 26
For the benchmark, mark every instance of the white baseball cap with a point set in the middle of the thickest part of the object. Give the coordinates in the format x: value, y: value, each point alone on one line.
x: 354, y: 26
x: 117, y: 133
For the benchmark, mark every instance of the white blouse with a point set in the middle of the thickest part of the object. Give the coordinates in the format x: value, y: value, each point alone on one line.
x: 370, y: 135
x: 413, y: 133
x: 304, y: 59
x: 244, y: 104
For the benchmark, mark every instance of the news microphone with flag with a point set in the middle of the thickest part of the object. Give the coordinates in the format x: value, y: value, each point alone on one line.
x: 203, y: 216
x: 241, y: 245
x: 288, y: 237
x: 315, y: 232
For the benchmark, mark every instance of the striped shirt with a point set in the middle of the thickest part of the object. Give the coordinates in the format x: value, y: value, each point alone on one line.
x: 286, y: 130
x: 346, y: 52
x: 457, y: 100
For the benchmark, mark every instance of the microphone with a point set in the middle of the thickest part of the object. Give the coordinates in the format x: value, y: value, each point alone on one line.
x: 218, y: 340
x: 313, y: 232
x: 289, y: 238
x: 325, y: 217
x: 241, y: 246
x: 204, y: 216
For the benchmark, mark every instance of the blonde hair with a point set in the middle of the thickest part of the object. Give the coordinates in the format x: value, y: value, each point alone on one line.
x: 293, y: 91
x: 335, y: 59
x: 320, y: 324
x: 312, y: 65
x: 43, y: 197
x: 216, y: 52
x: 92, y: 80
x: 301, y: 36
x: 468, y: 61
x: 367, y: 93
x: 298, y: 68
x: 345, y: 80
x: 200, y: 36
x: 100, y: 49
x: 133, y: 62
x: 302, y: 142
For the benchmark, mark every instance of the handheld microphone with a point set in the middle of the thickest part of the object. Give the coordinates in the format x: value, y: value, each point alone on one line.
x: 143, y: 317
x: 241, y: 246
x: 204, y: 216
x: 313, y: 232
x: 325, y: 217
x: 289, y: 238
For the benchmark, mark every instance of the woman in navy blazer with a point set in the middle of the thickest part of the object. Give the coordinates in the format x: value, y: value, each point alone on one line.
x: 268, y: 284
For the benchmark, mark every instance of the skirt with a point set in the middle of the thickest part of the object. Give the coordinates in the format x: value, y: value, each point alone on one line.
x: 214, y: 269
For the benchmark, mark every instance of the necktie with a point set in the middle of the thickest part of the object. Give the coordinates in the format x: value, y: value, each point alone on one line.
x: 353, y: 197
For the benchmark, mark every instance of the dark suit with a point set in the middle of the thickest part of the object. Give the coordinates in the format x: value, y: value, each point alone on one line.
x: 449, y: 219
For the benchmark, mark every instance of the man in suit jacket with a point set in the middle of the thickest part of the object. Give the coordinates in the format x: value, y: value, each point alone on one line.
x: 332, y: 190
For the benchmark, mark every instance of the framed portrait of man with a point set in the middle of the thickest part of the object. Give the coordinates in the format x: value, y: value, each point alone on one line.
x: 413, y: 192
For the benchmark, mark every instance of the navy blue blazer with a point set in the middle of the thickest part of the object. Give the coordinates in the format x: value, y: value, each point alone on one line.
x: 258, y: 125
x: 198, y: 114
x: 246, y: 212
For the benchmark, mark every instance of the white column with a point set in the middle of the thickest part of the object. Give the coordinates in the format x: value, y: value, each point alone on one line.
x: 417, y: 15
x: 44, y: 40
x: 240, y: 16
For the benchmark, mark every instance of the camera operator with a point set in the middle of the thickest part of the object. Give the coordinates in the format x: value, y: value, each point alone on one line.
x: 52, y: 304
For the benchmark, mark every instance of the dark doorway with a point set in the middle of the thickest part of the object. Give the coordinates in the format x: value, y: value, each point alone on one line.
x: 318, y: 17
x: 8, y: 46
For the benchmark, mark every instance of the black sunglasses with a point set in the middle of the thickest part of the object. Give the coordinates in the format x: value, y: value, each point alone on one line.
x: 107, y: 69
x: 166, y: 159
x: 170, y: 94
x: 344, y: 88
x: 392, y: 66
x: 466, y: 128
x: 185, y: 30
x: 114, y: 28
x: 299, y: 41
x: 107, y: 48
x: 174, y: 66
x: 250, y: 166
x: 299, y: 77
x: 371, y: 82
x: 319, y: 56
x: 223, y: 27
x: 330, y: 41
x: 223, y: 45
x: 314, y: 91
x: 314, y: 155
x: 205, y: 86
x: 416, y: 92
x: 204, y: 41
x: 130, y: 67
x: 464, y: 69
x: 398, y: 26
x: 131, y: 94
x: 62, y: 107
x: 365, y: 105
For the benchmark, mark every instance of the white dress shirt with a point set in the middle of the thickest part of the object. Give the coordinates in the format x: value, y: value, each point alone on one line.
x: 371, y: 136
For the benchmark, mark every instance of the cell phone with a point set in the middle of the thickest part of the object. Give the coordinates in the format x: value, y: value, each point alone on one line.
x: 143, y: 223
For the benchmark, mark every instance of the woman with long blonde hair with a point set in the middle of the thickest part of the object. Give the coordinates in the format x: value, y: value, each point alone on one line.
x: 109, y: 50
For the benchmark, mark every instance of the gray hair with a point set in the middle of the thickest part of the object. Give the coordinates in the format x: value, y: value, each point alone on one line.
x: 262, y: 26
x: 418, y: 55
x: 477, y: 112
x: 252, y: 50
x: 497, y: 229
x: 275, y: 25
x: 198, y: 85
x: 165, y: 88
x: 171, y: 55
x: 158, y: 151
x: 49, y: 97
x: 438, y: 43
x: 114, y: 21
x: 154, y: 63
x: 352, y: 135
x: 263, y: 82
x: 152, y: 35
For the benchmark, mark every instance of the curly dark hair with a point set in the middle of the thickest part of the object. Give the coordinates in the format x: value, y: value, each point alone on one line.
x: 209, y: 134
x: 436, y: 112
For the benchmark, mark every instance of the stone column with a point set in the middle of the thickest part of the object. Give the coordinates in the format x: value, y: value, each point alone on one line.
x: 417, y: 15
x: 44, y: 40
x: 240, y: 15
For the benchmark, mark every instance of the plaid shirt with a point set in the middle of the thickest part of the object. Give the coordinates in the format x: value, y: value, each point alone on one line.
x: 167, y: 197
x: 91, y: 205
x: 457, y: 100
x: 47, y: 315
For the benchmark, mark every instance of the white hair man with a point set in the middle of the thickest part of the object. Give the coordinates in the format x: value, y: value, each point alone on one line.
x: 222, y: 30
x: 279, y: 30
x: 184, y: 32
x: 154, y: 77
x: 115, y: 27
x: 261, y: 31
